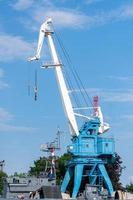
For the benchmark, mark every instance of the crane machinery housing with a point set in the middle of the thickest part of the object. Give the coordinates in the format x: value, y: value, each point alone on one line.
x: 89, y: 149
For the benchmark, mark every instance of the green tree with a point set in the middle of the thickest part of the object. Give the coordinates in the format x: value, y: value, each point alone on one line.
x: 2, y: 176
x: 115, y: 171
x: 130, y: 187
x: 40, y: 165
x: 61, y: 166
x: 20, y: 175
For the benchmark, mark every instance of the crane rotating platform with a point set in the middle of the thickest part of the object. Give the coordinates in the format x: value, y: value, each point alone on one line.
x: 90, y: 151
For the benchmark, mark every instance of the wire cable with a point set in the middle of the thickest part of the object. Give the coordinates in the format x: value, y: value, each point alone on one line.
x: 74, y: 72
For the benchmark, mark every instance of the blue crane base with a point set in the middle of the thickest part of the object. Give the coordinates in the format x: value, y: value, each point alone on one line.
x: 90, y: 152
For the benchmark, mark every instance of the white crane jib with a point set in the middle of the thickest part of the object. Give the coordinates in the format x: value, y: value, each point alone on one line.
x: 45, y: 31
x: 98, y: 113
x: 103, y: 126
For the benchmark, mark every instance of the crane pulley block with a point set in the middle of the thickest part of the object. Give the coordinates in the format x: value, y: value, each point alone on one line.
x: 51, y: 65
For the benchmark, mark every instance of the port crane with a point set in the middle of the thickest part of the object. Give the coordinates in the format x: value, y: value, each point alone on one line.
x: 90, y: 151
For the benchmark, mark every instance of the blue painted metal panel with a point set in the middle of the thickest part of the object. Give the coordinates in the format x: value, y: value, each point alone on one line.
x: 106, y: 179
x: 105, y: 146
x: 77, y: 179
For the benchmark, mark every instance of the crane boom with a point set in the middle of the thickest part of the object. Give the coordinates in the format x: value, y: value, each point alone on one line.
x: 45, y: 30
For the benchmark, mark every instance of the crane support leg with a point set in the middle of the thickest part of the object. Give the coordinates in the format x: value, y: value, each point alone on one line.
x: 68, y: 176
x: 106, y: 178
x: 77, y: 179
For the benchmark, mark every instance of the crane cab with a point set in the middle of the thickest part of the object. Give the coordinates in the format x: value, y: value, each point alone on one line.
x: 90, y: 143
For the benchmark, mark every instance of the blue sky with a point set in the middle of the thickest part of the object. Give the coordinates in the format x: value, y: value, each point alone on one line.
x: 98, y: 35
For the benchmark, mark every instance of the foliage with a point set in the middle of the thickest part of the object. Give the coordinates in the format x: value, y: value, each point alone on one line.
x: 115, y: 170
x: 20, y: 175
x: 61, y: 166
x: 40, y: 165
x: 130, y: 187
x: 2, y: 176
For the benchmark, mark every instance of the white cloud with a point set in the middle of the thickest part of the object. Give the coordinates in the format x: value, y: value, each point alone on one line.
x: 120, y: 14
x: 5, y: 115
x: 116, y: 96
x: 61, y: 18
x: 75, y: 19
x: 126, y: 12
x: 111, y: 95
x: 122, y: 78
x: 72, y: 18
x: 13, y: 48
x: 23, y: 4
x: 1, y: 73
x: 93, y: 1
x: 128, y: 117
x: 12, y: 128
x: 3, y: 84
x: 66, y: 18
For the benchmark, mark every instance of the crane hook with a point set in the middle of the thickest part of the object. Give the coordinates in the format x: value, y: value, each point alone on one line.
x: 36, y: 86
